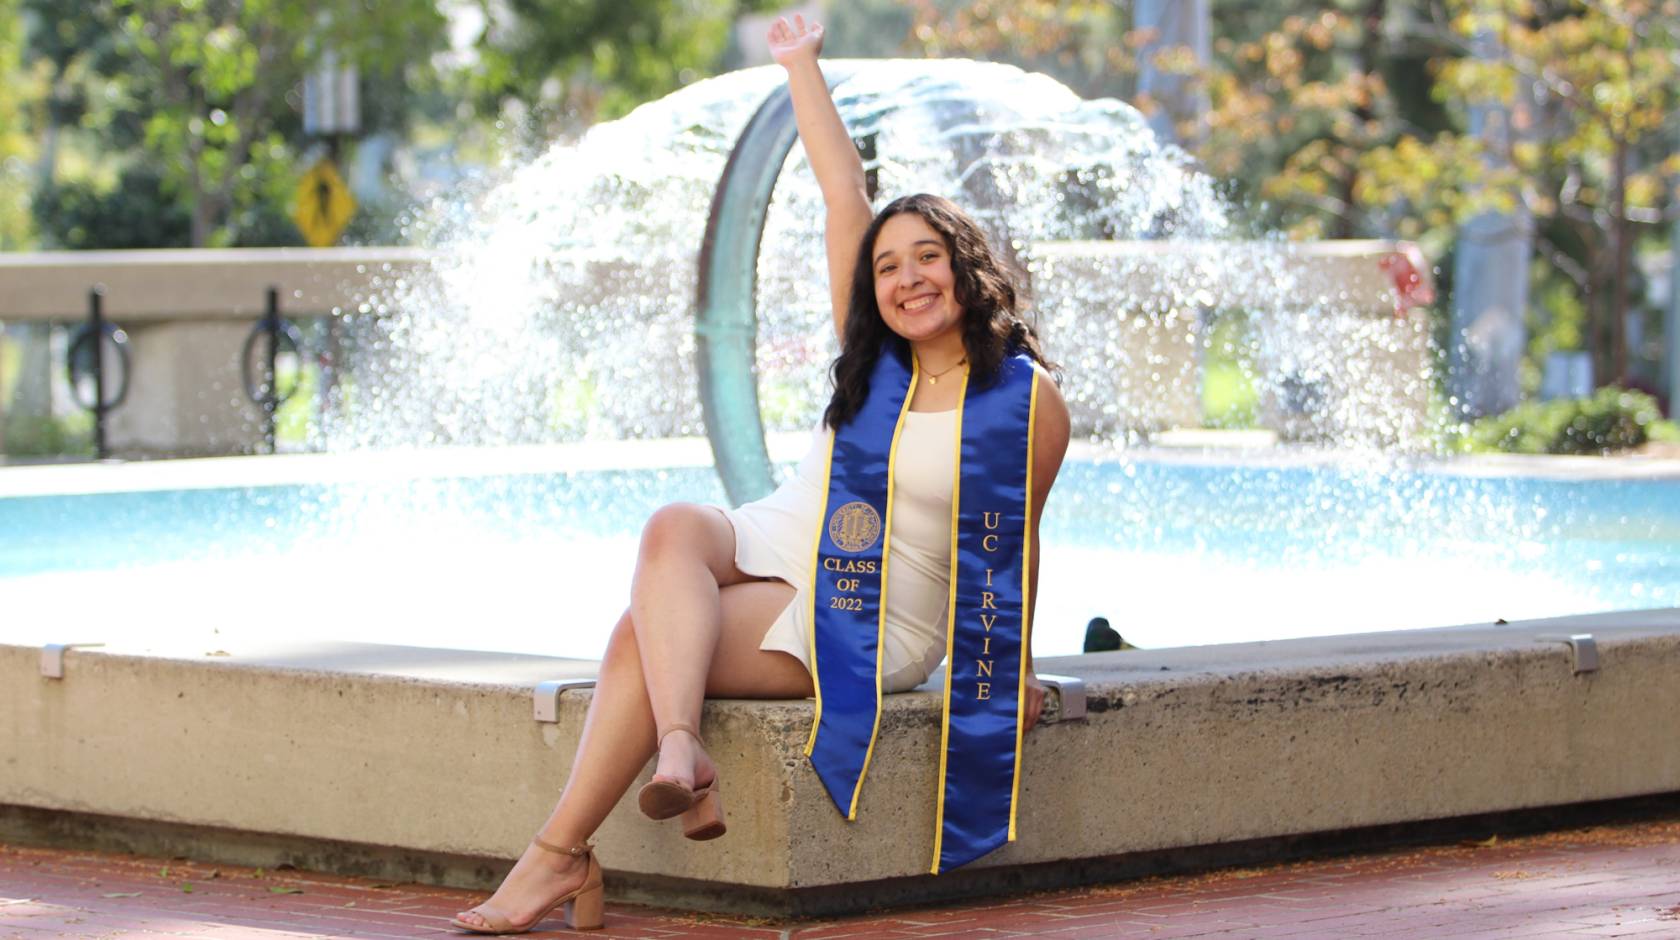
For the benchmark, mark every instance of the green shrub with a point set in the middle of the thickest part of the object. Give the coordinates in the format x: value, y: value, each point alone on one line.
x: 41, y: 436
x: 1612, y: 419
x: 137, y: 213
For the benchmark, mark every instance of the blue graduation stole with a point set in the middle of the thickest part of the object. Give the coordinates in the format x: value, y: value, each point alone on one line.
x: 986, y: 626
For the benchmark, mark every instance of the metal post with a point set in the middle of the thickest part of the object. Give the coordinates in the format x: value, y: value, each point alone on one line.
x: 96, y: 326
x: 1490, y: 293
x: 271, y: 391
x: 1174, y: 23
x: 1671, y: 324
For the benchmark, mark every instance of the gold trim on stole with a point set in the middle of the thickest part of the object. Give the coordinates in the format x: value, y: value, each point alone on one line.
x: 816, y: 572
x: 886, y: 559
x: 881, y: 619
x: 1026, y: 603
x: 950, y: 631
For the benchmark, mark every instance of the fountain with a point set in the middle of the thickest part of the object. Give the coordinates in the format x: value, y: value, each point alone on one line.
x: 580, y: 272
x: 504, y: 419
x: 610, y: 294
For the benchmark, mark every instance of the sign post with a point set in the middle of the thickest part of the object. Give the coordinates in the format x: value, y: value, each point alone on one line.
x: 331, y: 109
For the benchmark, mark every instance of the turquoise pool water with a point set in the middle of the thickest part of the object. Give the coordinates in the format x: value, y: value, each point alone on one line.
x: 1173, y: 553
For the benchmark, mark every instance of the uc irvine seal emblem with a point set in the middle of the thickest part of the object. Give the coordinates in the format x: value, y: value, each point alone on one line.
x: 855, y: 526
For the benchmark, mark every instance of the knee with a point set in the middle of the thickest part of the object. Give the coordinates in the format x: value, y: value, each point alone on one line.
x: 622, y: 640
x: 674, y: 527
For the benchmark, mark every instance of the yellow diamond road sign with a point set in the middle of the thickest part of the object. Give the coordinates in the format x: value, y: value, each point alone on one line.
x: 324, y: 205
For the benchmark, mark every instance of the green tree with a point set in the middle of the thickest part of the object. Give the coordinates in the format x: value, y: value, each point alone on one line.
x: 574, y: 62
x: 1599, y: 76
x: 215, y: 74
x: 1347, y: 118
x: 88, y: 123
x: 1297, y: 91
x: 1297, y: 108
x: 1082, y: 43
x: 1608, y: 71
x: 135, y: 213
x: 16, y: 147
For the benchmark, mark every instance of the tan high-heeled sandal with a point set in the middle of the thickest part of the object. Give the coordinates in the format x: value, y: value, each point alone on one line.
x: 701, y: 808
x: 582, y: 907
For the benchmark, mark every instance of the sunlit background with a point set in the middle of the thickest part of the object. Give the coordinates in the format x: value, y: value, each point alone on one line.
x: 558, y: 161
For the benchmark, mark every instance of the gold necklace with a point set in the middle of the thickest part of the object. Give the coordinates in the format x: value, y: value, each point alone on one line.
x: 933, y: 377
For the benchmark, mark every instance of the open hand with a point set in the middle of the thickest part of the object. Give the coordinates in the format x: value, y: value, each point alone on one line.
x: 791, y: 42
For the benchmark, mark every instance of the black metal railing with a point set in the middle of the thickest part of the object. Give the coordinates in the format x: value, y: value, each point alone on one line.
x: 85, y: 365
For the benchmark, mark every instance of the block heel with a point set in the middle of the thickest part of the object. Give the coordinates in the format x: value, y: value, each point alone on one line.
x: 704, y: 820
x: 587, y: 911
x: 582, y: 907
x: 701, y: 808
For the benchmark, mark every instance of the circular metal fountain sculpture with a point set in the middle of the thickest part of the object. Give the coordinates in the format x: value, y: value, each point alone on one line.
x: 726, y: 327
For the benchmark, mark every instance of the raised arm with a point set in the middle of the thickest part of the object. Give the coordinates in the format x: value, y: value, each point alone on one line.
x: 833, y: 157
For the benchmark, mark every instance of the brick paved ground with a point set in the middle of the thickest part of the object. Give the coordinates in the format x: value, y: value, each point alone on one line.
x: 1603, y: 881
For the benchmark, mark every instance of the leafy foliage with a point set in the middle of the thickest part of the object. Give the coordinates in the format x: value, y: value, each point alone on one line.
x: 46, y: 436
x: 1592, y: 168
x: 207, y: 92
x: 1082, y: 43
x: 217, y: 72
x: 136, y: 213
x: 1612, y: 419
x: 1351, y: 118
x: 570, y: 63
x: 15, y: 145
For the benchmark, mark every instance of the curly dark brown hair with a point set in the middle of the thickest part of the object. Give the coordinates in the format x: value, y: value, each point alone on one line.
x: 984, y: 287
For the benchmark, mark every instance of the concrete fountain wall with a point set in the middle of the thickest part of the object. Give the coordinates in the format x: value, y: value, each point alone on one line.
x: 427, y: 764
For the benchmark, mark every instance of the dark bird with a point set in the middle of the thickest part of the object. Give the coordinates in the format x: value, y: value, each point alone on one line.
x: 1100, y: 637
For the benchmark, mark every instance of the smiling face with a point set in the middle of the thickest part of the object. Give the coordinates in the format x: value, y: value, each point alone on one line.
x: 914, y: 286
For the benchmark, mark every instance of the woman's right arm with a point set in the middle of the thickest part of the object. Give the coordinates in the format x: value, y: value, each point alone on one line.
x: 833, y: 157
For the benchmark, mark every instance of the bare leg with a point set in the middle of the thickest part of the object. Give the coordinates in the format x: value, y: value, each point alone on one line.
x: 740, y: 669
x: 618, y: 735
x: 601, y: 771
x: 687, y: 557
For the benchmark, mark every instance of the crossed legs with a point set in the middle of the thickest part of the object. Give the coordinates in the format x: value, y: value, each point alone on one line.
x: 692, y: 630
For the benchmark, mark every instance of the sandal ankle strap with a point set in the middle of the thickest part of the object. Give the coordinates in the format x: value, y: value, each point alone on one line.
x: 666, y: 732
x: 575, y: 851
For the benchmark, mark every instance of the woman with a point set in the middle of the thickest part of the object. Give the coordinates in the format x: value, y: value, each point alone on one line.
x: 721, y: 600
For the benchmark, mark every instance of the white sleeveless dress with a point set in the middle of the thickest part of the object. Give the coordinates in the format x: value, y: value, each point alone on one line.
x: 775, y: 537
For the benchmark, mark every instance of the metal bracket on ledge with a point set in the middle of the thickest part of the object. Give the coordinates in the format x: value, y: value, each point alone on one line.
x: 52, y: 657
x: 1581, y: 644
x: 545, y: 699
x: 1064, y: 699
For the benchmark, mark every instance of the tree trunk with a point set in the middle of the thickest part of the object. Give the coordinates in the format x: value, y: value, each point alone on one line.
x: 46, y: 171
x: 1369, y: 54
x: 1671, y: 317
x: 1620, y: 238
x: 201, y: 222
x: 209, y: 211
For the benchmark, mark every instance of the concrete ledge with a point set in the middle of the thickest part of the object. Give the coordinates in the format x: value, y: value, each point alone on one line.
x: 198, y: 283
x: 429, y: 763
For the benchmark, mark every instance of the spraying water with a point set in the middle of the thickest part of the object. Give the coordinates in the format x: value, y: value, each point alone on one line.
x: 562, y: 309
x: 563, y: 306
